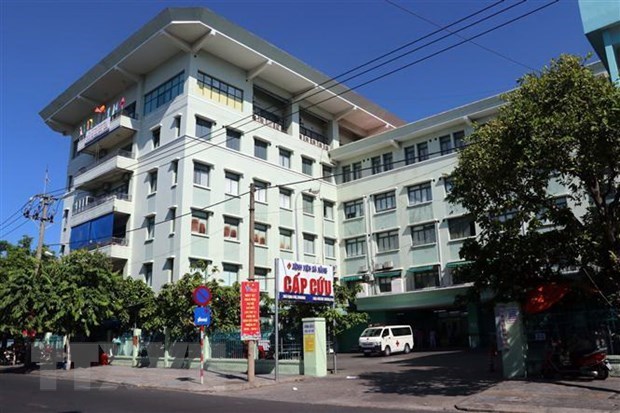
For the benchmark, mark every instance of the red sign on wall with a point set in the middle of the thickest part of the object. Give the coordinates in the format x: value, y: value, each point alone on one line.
x: 250, y: 310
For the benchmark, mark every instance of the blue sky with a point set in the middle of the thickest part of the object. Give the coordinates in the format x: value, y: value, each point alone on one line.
x: 47, y: 45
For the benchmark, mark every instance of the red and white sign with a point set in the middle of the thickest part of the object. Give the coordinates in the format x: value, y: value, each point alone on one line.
x: 250, y: 310
x: 300, y: 281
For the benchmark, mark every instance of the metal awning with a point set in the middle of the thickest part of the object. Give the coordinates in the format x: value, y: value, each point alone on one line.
x: 387, y: 274
x: 455, y: 264
x: 350, y: 278
x: 422, y: 268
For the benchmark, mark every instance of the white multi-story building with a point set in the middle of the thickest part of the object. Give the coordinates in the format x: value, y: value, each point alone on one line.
x: 169, y: 130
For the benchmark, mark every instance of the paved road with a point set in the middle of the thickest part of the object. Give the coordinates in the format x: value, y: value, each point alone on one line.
x: 21, y: 393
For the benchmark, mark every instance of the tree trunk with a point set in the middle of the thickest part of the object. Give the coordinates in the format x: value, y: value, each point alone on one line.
x: 68, y: 344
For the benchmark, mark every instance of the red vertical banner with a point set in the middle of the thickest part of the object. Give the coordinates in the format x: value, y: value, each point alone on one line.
x: 250, y: 310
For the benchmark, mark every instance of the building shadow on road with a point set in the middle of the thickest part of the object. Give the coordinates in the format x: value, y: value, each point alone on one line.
x: 453, y: 373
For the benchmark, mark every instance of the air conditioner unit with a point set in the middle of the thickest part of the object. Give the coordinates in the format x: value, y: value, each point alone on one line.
x: 388, y: 264
x: 378, y: 267
x: 368, y: 278
x: 363, y: 268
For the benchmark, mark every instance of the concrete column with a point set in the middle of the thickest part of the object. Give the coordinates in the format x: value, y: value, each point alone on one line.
x: 473, y: 326
x: 608, y: 39
x: 166, y: 348
x: 315, y: 347
x: 333, y: 134
x: 511, y: 339
x: 294, y: 125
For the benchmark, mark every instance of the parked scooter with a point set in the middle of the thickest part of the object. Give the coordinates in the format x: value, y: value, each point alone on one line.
x: 560, y: 361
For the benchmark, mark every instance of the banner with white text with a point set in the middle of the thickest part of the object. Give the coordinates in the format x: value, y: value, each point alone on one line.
x: 298, y: 281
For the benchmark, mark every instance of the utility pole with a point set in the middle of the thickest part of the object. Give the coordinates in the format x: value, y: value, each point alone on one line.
x: 251, y: 343
x: 38, y: 210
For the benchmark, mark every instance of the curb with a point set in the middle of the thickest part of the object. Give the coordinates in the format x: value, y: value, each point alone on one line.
x: 522, y: 408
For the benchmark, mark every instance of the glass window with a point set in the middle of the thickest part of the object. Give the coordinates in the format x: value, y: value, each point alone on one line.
x: 164, y: 93
x: 148, y: 274
x: 285, y: 158
x: 233, y: 139
x: 388, y: 164
x: 461, y: 227
x: 307, y: 204
x: 286, y: 239
x: 354, y: 209
x: 203, y: 128
x: 459, y: 140
x: 261, y: 191
x: 328, y: 210
x: 357, y: 170
x: 447, y: 184
x: 260, y: 234
x: 220, y: 91
x: 309, y: 244
x: 387, y: 241
x: 152, y: 182
x: 261, y: 277
x: 420, y: 193
x: 201, y: 174
x: 174, y: 169
x: 385, y: 201
x: 229, y: 274
x: 385, y: 286
x: 426, y: 279
x: 409, y: 155
x: 306, y: 166
x: 285, y: 198
x: 232, y: 183
x: 355, y: 247
x: 169, y: 267
x: 328, y: 173
x: 231, y: 228
x: 423, y: 234
x: 375, y: 162
x: 346, y: 173
x: 172, y: 217
x: 445, y: 144
x: 422, y: 151
x: 150, y: 227
x: 330, y: 248
x: 199, y: 222
x: 260, y: 149
x: 177, y: 126
x: 155, y: 137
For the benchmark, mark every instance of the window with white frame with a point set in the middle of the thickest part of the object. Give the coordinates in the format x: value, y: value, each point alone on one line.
x: 346, y: 173
x: 330, y: 248
x: 385, y: 284
x: 172, y: 217
x: 306, y: 165
x: 203, y: 128
x: 285, y: 198
x: 169, y: 267
x: 152, y: 182
x: 260, y: 275
x: 328, y: 210
x: 260, y: 149
x: 148, y: 274
x: 426, y: 279
x: 423, y: 234
x: 447, y: 184
x: 385, y: 201
x: 164, y: 93
x: 176, y: 126
x: 354, y: 209
x: 355, y: 247
x: 199, y: 222
x: 260, y: 234
x: 387, y: 241
x: 201, y: 174
x: 220, y: 91
x: 357, y: 170
x: 422, y: 151
x: 327, y: 173
x: 286, y: 239
x: 375, y: 163
x: 260, y: 195
x: 231, y: 228
x: 150, y: 227
x: 233, y: 139
x: 307, y: 204
x: 285, y: 158
x: 461, y: 227
x: 419, y: 194
x: 309, y: 240
x: 155, y: 137
x: 229, y: 274
x: 459, y: 140
x: 174, y: 170
x: 231, y: 182
x: 410, y: 155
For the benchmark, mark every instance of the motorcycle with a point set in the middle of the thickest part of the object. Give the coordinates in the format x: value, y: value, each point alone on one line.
x: 559, y: 361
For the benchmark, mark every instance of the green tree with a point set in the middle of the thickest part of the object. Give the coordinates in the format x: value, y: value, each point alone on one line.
x: 561, y: 126
x: 139, y: 307
x: 86, y: 292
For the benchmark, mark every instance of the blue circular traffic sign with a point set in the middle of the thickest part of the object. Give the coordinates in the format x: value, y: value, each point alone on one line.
x: 201, y: 295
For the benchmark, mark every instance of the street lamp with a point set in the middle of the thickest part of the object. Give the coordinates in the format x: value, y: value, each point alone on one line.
x: 311, y: 191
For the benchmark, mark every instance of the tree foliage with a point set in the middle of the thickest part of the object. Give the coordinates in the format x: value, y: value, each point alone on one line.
x: 560, y: 128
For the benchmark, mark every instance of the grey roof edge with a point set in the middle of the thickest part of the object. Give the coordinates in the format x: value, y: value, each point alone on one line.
x: 469, y: 109
x: 226, y: 27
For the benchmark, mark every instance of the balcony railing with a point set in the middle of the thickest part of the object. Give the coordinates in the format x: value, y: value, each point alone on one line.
x: 119, y: 152
x: 82, y: 205
x: 268, y: 118
x: 109, y: 241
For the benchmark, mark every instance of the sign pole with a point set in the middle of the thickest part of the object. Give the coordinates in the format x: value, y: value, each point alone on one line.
x: 251, y: 343
x: 277, y: 322
x: 202, y: 354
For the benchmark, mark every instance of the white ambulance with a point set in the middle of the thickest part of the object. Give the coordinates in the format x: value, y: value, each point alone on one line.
x: 386, y: 340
